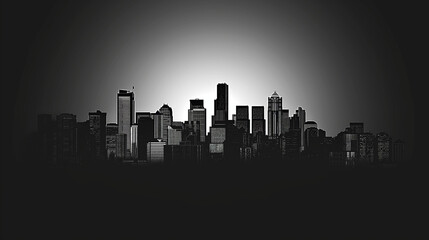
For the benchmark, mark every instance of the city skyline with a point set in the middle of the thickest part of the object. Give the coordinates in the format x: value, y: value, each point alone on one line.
x: 343, y: 161
x: 150, y: 138
x: 329, y: 63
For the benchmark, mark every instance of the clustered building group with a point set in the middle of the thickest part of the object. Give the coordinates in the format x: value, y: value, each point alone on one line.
x: 148, y: 138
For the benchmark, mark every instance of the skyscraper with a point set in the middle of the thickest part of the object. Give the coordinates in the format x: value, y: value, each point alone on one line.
x: 221, y: 103
x: 125, y: 114
x: 97, y: 131
x: 242, y: 118
x: 301, y: 114
x: 258, y: 121
x: 285, y: 123
x: 145, y: 134
x: 158, y: 132
x: 167, y: 120
x: 274, y: 115
x: 197, y: 112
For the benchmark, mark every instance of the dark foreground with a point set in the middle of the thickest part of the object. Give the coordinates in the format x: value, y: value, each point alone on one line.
x: 284, y: 200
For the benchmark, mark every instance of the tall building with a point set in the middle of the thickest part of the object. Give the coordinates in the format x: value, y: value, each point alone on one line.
x: 301, y: 115
x: 242, y: 118
x: 158, y: 120
x: 134, y: 141
x: 221, y: 103
x: 285, y: 122
x: 111, y: 131
x: 125, y: 114
x: 258, y: 120
x: 167, y: 120
x: 145, y: 134
x: 97, y: 131
x: 274, y: 115
x: 197, y: 112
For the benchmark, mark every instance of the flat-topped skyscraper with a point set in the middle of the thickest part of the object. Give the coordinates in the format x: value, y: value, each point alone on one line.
x: 125, y: 114
x: 221, y: 103
x: 197, y: 112
x: 258, y: 120
x: 274, y: 115
x: 167, y: 120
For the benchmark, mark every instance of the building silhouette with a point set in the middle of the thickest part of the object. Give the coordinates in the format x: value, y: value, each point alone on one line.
x: 158, y: 121
x: 145, y: 134
x: 221, y: 104
x: 258, y: 120
x: 301, y: 116
x: 242, y: 118
x: 285, y: 121
x: 197, y: 112
x: 167, y: 120
x: 125, y: 115
x: 274, y: 115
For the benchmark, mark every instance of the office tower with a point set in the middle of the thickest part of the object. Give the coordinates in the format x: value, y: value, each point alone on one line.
x: 97, y: 130
x: 134, y: 141
x: 155, y: 152
x: 125, y: 114
x: 285, y: 122
x: 142, y: 114
x: 121, y: 145
x: 111, y: 131
x: 383, y: 147
x: 258, y: 120
x: 46, y: 130
x: 398, y: 151
x: 221, y: 103
x: 356, y: 127
x: 242, y: 118
x: 66, y: 139
x: 158, y: 120
x: 85, y: 142
x: 145, y: 134
x: 274, y: 115
x: 197, y: 112
x: 301, y: 115
x: 167, y: 120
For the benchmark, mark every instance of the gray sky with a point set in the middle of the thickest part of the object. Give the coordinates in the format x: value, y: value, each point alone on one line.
x: 338, y: 61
